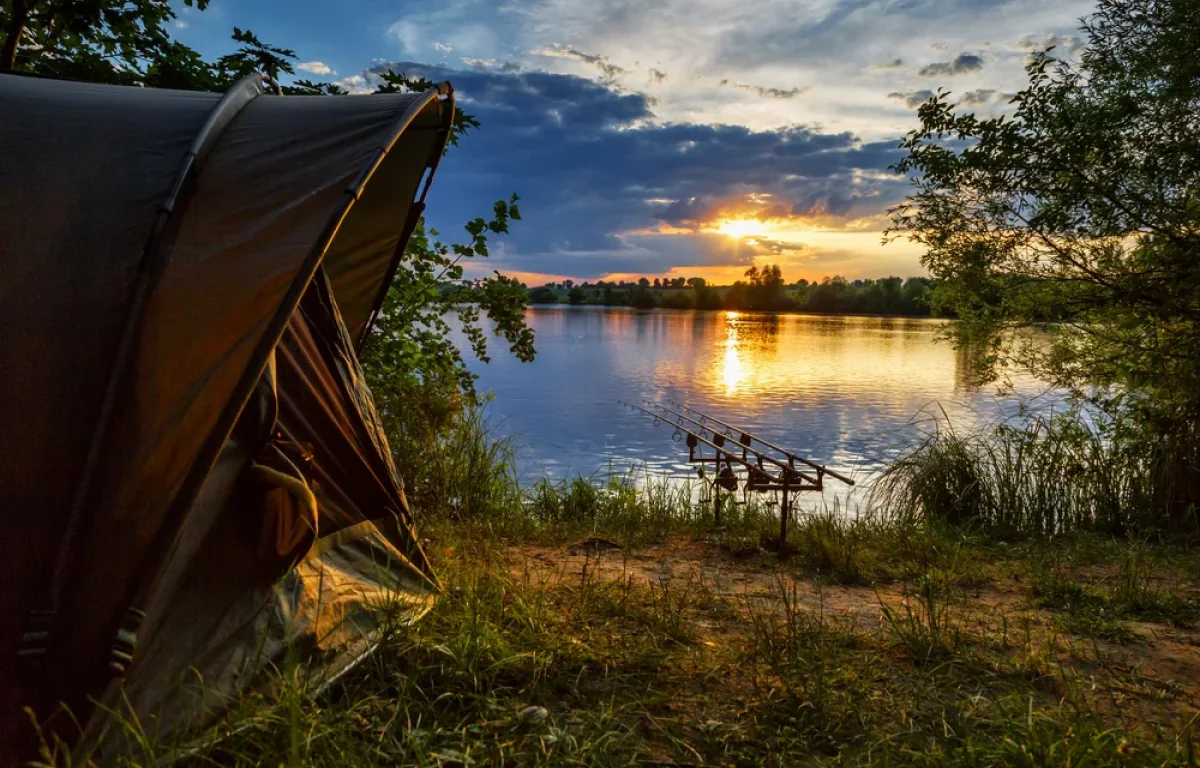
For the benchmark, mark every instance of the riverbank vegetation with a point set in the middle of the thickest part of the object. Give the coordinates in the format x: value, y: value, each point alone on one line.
x: 764, y: 289
x: 1082, y: 199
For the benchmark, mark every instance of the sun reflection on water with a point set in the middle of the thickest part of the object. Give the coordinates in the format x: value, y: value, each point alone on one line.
x: 733, y: 370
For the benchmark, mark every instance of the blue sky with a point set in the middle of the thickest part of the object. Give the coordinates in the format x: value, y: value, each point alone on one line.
x: 673, y: 137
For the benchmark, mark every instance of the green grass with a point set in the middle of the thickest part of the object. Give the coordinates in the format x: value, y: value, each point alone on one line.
x: 1128, y: 589
x: 512, y: 668
x: 862, y: 641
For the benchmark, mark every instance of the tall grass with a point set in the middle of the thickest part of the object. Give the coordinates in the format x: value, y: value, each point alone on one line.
x: 1040, y: 478
x: 455, y: 467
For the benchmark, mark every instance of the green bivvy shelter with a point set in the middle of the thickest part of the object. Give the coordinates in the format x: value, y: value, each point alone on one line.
x: 193, y: 476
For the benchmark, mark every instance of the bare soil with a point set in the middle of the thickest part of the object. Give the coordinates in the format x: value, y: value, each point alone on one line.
x: 1156, y: 677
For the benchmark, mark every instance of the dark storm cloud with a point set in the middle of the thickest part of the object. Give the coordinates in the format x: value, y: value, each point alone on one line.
x: 590, y: 164
x: 962, y: 64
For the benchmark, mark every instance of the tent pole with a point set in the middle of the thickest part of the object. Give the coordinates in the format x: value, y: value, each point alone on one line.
x: 414, y: 213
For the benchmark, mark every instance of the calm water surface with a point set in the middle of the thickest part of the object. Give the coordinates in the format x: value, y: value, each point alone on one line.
x: 850, y: 392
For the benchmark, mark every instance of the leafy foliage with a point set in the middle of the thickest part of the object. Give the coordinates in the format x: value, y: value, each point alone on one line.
x: 766, y: 291
x: 107, y: 41
x: 256, y: 56
x: 412, y: 349
x: 1081, y: 207
x: 763, y: 289
x: 395, y: 82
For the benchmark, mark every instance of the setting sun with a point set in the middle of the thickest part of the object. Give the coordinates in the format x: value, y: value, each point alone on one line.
x: 740, y: 227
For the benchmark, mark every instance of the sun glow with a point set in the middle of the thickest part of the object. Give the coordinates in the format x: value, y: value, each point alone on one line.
x: 740, y: 227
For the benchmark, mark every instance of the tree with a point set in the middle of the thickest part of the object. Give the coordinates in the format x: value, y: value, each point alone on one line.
x: 412, y: 349
x: 576, y: 295
x: 765, y: 290
x: 1082, y: 208
x: 108, y: 41
x: 641, y: 297
x: 705, y: 297
x: 697, y: 282
x: 543, y: 294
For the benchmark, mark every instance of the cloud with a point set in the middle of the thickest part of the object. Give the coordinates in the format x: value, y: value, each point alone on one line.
x: 441, y: 47
x: 611, y: 71
x: 940, y: 47
x: 657, y: 75
x: 181, y: 24
x: 888, y: 66
x: 491, y: 65
x: 768, y: 93
x: 607, y: 188
x: 977, y: 97
x: 408, y: 33
x: 357, y: 84
x: 1070, y: 43
x: 316, y: 67
x: 767, y: 247
x: 962, y: 63
x: 912, y: 99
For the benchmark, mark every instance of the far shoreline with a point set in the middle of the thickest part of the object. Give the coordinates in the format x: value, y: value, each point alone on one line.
x: 808, y: 313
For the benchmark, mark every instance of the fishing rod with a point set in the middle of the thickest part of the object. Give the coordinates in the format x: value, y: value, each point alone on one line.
x: 744, y: 446
x: 772, y: 446
x: 730, y: 456
x: 659, y: 417
x: 759, y: 480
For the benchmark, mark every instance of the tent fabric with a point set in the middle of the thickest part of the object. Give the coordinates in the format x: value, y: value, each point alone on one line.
x: 256, y: 606
x: 86, y: 215
x: 161, y: 246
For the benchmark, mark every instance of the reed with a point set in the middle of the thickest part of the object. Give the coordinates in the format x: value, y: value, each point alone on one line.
x: 1043, y: 477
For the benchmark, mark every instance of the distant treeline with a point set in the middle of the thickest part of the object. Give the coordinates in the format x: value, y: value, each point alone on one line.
x: 763, y: 289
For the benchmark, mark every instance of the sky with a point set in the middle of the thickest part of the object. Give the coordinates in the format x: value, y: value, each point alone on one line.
x: 672, y: 137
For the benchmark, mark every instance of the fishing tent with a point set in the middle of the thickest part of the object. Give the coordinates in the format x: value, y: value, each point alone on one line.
x: 193, y: 476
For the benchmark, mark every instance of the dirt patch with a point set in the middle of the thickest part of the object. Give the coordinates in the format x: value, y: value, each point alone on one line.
x: 682, y: 560
x: 1156, y: 678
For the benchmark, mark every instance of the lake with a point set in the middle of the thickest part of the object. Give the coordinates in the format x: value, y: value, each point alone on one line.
x: 848, y: 392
